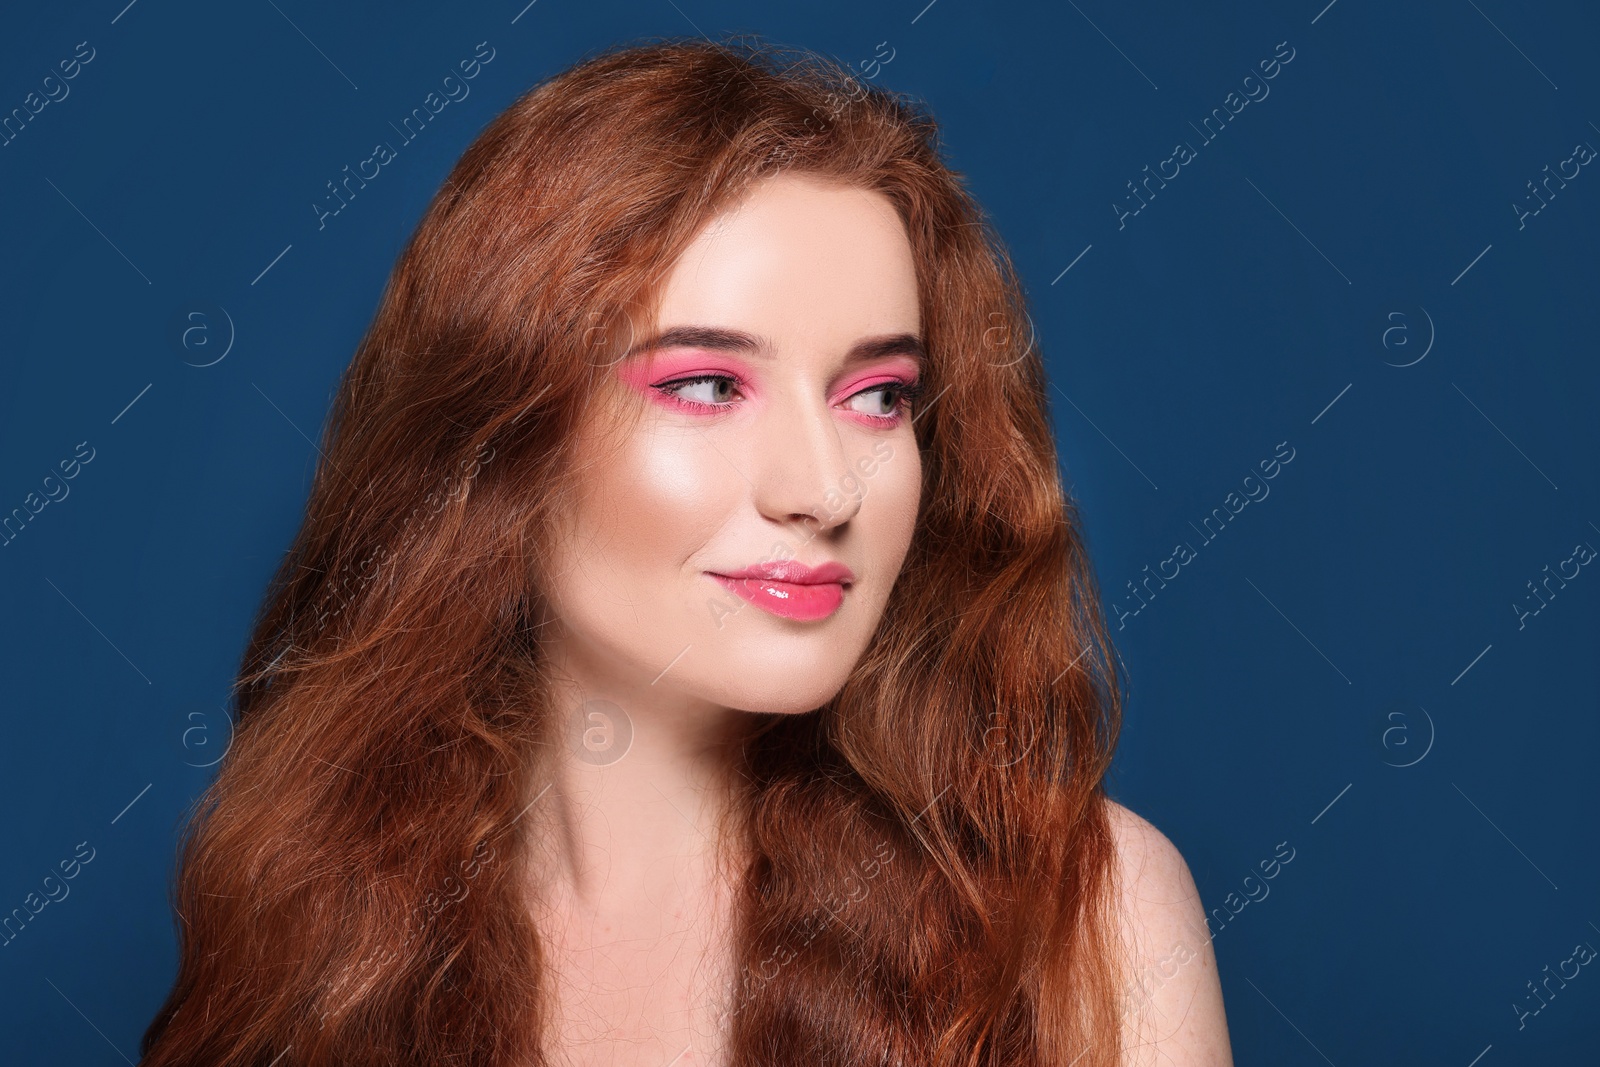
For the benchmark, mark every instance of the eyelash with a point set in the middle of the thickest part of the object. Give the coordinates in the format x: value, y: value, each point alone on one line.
x: 907, y: 392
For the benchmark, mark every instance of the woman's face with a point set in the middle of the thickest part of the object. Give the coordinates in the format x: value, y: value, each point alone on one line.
x: 774, y: 432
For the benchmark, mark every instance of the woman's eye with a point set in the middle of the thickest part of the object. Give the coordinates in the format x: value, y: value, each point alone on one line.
x: 883, y: 399
x: 708, y: 393
x: 709, y: 389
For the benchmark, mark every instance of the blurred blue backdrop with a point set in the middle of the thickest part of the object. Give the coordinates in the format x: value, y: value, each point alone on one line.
x: 1352, y: 241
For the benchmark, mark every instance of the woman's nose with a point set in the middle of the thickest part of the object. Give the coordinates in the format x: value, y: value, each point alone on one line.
x: 801, y: 472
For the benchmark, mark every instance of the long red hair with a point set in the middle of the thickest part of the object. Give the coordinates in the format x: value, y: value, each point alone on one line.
x: 351, y: 887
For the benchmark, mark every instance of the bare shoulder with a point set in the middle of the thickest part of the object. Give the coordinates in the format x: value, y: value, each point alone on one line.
x: 1172, y: 1012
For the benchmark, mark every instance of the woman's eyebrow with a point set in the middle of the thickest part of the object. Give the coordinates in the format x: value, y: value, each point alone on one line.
x: 719, y: 339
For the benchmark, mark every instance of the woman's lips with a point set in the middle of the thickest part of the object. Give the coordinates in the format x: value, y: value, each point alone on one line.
x: 788, y: 600
x: 790, y: 589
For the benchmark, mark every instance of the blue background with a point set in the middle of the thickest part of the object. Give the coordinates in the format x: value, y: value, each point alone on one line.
x: 1342, y: 669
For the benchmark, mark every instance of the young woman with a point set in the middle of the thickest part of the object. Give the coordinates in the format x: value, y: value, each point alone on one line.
x: 689, y: 653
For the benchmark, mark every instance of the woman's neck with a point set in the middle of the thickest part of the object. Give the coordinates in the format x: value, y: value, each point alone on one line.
x: 634, y: 811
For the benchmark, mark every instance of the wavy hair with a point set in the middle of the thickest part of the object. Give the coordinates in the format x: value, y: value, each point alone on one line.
x: 931, y: 869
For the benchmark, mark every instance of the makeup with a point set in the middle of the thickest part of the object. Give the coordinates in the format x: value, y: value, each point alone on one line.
x: 663, y: 375
x: 790, y: 589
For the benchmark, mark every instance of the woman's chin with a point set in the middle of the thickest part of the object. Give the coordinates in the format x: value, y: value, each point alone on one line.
x: 780, y: 698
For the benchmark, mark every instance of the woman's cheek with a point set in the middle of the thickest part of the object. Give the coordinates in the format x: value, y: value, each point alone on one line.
x: 898, y: 485
x: 678, y: 469
x: 668, y: 494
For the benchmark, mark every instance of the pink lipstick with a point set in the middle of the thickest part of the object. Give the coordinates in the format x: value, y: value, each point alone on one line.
x: 789, y: 588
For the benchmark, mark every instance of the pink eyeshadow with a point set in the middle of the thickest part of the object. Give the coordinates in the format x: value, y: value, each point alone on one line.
x: 900, y: 369
x: 650, y: 369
